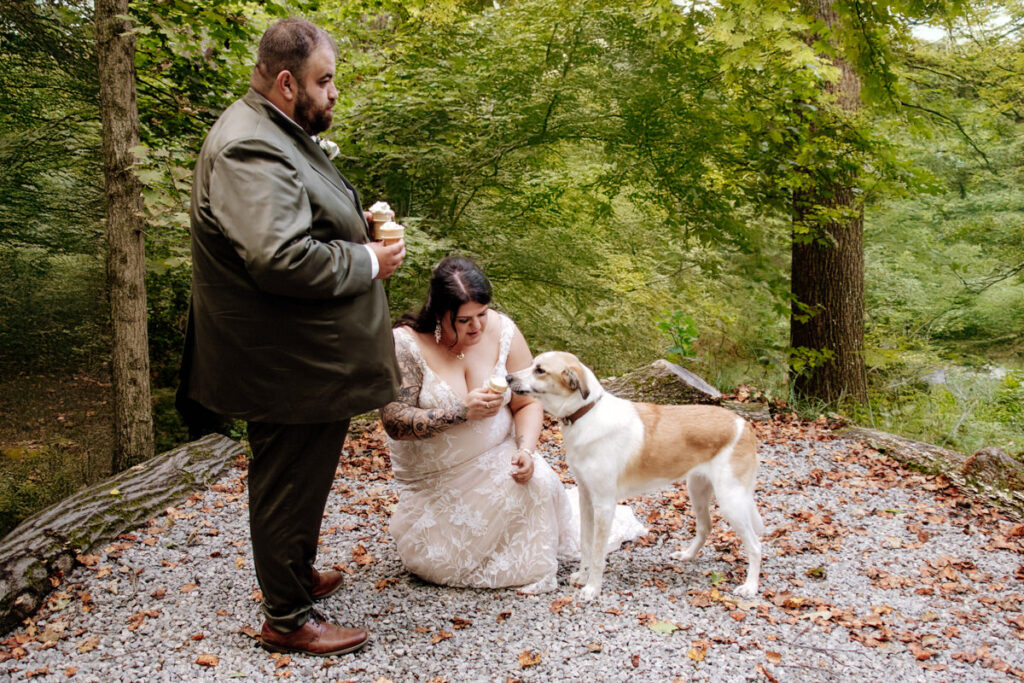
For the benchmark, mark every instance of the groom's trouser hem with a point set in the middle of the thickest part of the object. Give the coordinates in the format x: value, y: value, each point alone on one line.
x: 290, y: 477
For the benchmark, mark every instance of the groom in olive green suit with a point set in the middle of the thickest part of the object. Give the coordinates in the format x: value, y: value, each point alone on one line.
x: 290, y: 327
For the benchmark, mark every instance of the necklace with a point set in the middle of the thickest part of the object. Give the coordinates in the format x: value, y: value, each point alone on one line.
x: 461, y: 355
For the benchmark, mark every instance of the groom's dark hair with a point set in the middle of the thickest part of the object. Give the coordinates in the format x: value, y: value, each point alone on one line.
x: 455, y: 280
x: 285, y: 47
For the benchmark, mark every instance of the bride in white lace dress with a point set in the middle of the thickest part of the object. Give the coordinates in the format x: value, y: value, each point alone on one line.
x: 477, y: 506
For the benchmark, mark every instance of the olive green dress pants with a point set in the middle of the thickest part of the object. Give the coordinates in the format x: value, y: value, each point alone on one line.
x: 290, y: 477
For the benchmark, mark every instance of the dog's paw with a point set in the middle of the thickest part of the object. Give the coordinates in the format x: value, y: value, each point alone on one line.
x: 589, y: 593
x: 683, y: 555
x: 578, y: 578
x: 746, y: 591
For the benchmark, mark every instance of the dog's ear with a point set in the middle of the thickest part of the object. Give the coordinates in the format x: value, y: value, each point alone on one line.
x: 575, y: 379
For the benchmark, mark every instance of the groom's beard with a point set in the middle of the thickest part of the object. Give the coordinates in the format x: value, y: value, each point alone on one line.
x: 309, y: 116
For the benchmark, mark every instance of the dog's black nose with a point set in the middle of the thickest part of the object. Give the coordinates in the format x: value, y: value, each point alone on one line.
x: 508, y: 379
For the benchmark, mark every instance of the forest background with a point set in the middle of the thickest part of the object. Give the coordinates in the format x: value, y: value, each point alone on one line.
x: 625, y: 172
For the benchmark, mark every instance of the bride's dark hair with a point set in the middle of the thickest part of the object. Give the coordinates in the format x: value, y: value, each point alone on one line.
x: 455, y: 280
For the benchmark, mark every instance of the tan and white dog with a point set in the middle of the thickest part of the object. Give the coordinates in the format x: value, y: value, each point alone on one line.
x: 617, y: 449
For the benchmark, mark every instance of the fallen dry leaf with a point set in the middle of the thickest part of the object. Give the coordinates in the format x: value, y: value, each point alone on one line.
x: 89, y: 644
x: 207, y: 660
x: 362, y: 556
x: 439, y: 636
x: 528, y: 658
x: 764, y: 672
x: 557, y: 605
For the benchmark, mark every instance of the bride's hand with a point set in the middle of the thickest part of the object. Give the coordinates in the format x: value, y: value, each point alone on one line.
x: 482, y: 404
x: 522, y: 466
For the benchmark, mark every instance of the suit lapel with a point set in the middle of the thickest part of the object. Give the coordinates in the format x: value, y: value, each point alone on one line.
x: 316, y: 156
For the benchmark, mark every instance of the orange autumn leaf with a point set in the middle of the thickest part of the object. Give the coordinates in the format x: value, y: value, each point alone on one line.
x: 919, y: 652
x: 384, y: 583
x: 699, y: 650
x: 362, y: 556
x: 89, y: 644
x: 439, y: 636
x: 773, y: 657
x: 558, y: 604
x: 528, y: 658
x: 764, y: 672
x: 87, y: 560
x: 207, y: 660
x: 250, y: 632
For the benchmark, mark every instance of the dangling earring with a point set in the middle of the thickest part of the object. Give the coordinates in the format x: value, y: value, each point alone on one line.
x: 437, y: 333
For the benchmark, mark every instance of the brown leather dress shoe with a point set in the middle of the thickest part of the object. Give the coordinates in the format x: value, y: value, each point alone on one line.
x: 316, y: 637
x: 326, y: 584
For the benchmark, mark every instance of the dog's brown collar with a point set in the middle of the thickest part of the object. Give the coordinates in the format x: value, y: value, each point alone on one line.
x: 569, y: 419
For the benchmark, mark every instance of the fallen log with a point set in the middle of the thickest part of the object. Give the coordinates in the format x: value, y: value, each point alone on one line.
x: 662, y: 382
x: 48, y: 542
x: 989, y: 474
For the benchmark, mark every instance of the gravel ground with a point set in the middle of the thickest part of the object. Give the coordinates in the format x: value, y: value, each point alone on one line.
x: 871, y: 572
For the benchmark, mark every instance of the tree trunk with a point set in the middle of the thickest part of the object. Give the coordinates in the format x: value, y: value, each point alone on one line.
x: 989, y: 475
x: 49, y: 541
x: 827, y: 280
x: 126, y: 257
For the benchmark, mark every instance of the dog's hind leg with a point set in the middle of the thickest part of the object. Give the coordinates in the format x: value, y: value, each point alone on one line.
x: 580, y: 576
x: 738, y: 507
x: 604, y: 514
x: 699, y: 489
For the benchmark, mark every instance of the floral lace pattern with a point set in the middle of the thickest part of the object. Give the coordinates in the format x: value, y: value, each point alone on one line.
x: 461, y: 519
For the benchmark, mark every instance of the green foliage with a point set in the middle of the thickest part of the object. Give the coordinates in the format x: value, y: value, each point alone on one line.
x: 681, y: 329
x: 605, y: 161
x: 53, y: 311
x: 193, y: 58
x: 49, y: 129
x: 31, y: 478
x: 802, y: 359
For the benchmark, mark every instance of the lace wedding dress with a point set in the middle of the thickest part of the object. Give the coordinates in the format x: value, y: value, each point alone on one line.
x: 461, y: 519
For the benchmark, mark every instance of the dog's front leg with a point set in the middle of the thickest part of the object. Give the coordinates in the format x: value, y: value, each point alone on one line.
x: 580, y: 576
x: 604, y: 514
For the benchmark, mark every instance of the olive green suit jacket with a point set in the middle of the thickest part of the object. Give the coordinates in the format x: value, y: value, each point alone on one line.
x: 288, y: 327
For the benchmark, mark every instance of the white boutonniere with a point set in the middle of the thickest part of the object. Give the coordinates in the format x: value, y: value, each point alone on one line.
x: 330, y: 149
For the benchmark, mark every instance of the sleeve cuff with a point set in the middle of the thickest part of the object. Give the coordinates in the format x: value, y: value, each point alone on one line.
x: 374, y: 265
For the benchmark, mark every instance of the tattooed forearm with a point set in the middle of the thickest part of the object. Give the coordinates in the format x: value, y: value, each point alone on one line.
x: 406, y: 422
x: 403, y: 419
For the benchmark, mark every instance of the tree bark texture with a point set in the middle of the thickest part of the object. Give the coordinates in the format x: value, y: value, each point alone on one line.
x: 48, y: 542
x: 126, y: 257
x: 828, y: 271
